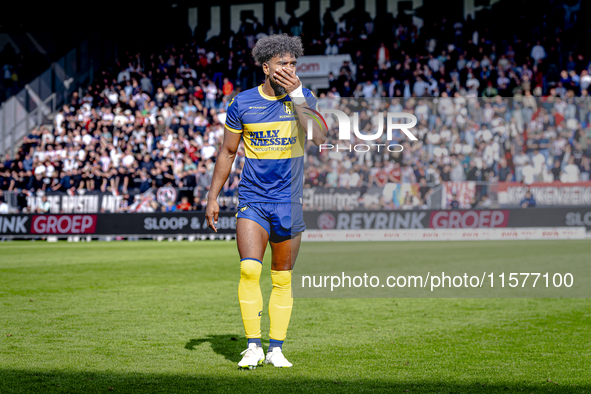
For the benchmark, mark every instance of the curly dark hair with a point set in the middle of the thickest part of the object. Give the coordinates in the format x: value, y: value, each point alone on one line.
x: 276, y: 44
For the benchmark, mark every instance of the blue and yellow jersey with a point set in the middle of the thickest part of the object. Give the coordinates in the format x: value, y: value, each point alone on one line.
x: 274, y: 145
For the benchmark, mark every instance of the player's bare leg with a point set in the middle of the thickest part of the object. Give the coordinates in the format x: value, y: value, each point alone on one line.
x: 285, y: 253
x: 252, y: 241
x: 281, y: 301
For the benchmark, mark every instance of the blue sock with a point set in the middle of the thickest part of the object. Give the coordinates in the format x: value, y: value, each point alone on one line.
x: 255, y: 340
x: 273, y: 344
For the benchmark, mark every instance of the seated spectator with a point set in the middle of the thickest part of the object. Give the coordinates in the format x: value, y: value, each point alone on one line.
x: 504, y: 172
x: 556, y: 171
x: 424, y: 191
x: 227, y: 88
x: 184, y: 205
x: 170, y: 207
x: 571, y: 171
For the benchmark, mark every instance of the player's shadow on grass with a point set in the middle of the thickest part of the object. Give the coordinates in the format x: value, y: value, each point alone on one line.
x: 227, y: 345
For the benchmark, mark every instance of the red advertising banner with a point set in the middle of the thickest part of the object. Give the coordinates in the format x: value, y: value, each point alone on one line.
x: 63, y: 224
x: 555, y: 193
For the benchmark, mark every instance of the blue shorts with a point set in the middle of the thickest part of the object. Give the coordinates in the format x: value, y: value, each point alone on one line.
x: 280, y: 220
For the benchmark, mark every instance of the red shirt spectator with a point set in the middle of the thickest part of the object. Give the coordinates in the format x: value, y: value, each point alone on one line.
x: 228, y: 87
x: 395, y: 173
x: 381, y: 178
x: 184, y: 205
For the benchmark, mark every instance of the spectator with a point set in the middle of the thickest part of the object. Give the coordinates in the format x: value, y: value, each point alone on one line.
x: 454, y: 204
x: 521, y: 160
x: 539, y: 162
x: 45, y: 206
x: 556, y: 171
x: 210, y: 94
x: 383, y: 55
x: 170, y: 207
x: 504, y: 173
x: 228, y: 88
x: 528, y: 201
x: 184, y: 205
x: 424, y: 191
x: 369, y: 89
x: 485, y: 202
x: 538, y: 53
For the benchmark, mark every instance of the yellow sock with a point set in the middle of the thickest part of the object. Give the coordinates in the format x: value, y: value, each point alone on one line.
x: 280, y: 304
x: 250, y: 297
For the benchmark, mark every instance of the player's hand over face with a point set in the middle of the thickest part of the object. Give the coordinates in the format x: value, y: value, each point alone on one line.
x: 287, y: 78
x: 211, y: 214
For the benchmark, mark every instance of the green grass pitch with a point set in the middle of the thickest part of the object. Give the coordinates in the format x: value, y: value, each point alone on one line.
x: 149, y: 317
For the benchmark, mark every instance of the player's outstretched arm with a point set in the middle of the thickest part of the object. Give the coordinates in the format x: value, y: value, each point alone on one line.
x: 223, y: 165
x: 287, y: 78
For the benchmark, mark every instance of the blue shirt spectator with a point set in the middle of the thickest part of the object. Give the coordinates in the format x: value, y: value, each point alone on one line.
x: 528, y: 201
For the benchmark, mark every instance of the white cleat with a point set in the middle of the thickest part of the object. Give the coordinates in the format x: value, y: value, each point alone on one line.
x: 252, y: 357
x: 277, y: 358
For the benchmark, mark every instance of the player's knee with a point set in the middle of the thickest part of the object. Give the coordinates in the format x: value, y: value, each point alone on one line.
x: 281, y: 279
x: 250, y: 269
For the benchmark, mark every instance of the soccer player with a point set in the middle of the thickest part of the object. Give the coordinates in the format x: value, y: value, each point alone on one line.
x: 272, y: 120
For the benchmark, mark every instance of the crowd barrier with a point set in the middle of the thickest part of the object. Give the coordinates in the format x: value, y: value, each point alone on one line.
x: 501, y: 194
x: 194, y: 223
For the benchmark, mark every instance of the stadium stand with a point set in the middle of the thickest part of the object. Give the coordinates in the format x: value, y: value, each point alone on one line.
x: 495, y: 110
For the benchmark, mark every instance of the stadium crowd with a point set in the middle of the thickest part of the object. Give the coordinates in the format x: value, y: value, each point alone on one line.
x: 487, y: 110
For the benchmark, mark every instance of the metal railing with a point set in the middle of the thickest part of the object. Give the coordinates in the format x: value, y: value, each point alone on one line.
x: 42, y: 96
x: 35, y: 118
x: 434, y: 199
x: 11, y: 199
